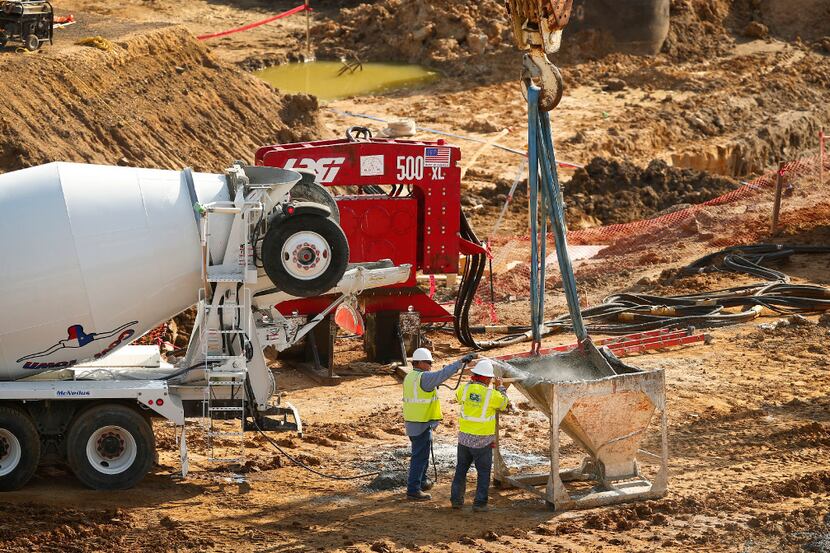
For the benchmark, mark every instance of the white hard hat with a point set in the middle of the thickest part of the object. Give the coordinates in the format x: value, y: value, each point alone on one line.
x: 422, y: 354
x: 484, y: 368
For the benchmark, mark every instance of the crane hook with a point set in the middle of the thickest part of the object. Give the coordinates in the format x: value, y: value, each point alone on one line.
x: 538, y: 70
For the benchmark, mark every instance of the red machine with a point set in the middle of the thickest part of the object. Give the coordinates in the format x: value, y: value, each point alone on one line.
x: 416, y: 219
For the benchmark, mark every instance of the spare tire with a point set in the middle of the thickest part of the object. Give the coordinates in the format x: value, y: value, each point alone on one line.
x: 307, y: 190
x: 305, y: 254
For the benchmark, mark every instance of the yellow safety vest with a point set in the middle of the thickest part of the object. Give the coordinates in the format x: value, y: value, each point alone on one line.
x: 479, y: 404
x: 418, y: 405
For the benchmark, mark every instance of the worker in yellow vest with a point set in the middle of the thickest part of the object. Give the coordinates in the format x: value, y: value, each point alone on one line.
x: 477, y: 433
x: 422, y: 414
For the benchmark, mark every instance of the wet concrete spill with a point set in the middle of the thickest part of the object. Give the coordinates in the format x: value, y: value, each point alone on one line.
x: 325, y: 80
x: 394, y: 464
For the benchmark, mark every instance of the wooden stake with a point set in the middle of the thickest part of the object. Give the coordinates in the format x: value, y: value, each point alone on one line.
x: 776, y: 208
x: 307, y: 32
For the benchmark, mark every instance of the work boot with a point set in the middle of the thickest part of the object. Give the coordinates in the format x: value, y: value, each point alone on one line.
x: 480, y: 508
x: 427, y: 485
x: 458, y: 506
x: 418, y: 496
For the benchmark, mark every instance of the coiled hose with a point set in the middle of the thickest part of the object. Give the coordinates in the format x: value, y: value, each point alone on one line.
x: 625, y: 313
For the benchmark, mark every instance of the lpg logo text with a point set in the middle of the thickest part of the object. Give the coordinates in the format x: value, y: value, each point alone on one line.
x: 325, y: 169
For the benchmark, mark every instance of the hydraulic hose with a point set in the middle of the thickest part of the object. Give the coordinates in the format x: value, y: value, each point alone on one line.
x: 624, y: 313
x: 473, y: 270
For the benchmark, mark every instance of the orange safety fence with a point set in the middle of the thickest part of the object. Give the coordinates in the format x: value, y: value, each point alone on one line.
x: 740, y: 216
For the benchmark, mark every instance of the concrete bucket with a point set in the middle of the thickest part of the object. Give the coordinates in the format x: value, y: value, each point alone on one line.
x: 605, y: 407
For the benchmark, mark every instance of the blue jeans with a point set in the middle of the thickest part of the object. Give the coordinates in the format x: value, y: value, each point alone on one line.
x: 482, y: 457
x: 418, y: 461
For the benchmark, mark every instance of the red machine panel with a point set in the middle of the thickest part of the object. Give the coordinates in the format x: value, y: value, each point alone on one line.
x: 379, y: 227
x: 429, y: 168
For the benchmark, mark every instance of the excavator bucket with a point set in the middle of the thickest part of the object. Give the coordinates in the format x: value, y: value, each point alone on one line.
x: 606, y: 407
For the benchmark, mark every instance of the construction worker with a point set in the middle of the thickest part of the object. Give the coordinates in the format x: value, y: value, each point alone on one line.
x: 422, y: 414
x: 477, y: 433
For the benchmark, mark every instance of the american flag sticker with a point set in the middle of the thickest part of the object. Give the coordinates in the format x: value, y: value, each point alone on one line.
x: 437, y: 156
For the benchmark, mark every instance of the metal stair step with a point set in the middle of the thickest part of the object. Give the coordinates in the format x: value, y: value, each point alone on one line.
x: 226, y: 409
x: 226, y: 374
x: 225, y: 433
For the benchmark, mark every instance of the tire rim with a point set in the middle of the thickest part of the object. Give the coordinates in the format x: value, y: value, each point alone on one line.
x: 306, y: 255
x: 111, y: 450
x: 10, y: 452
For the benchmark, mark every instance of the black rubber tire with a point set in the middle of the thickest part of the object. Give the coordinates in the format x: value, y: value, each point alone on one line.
x: 21, y: 426
x: 111, y: 414
x: 307, y: 190
x: 279, y: 233
x: 32, y: 42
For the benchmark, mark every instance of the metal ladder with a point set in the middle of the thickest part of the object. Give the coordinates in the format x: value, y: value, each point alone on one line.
x: 225, y: 391
x: 225, y: 374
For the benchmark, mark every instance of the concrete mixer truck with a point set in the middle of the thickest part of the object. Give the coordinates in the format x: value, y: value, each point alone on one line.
x: 93, y: 257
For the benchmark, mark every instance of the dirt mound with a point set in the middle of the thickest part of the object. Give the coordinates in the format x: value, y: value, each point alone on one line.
x: 619, y: 192
x: 789, y: 19
x: 155, y: 99
x: 417, y: 31
x: 697, y: 29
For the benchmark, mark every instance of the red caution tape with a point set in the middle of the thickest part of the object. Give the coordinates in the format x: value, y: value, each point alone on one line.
x: 249, y: 26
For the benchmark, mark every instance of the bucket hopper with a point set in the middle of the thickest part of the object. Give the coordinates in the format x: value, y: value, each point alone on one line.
x: 606, y: 408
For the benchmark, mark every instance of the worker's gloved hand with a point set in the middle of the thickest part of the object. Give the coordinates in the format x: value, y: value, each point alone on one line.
x: 469, y: 357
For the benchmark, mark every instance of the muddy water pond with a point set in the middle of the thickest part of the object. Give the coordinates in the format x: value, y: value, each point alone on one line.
x: 328, y: 81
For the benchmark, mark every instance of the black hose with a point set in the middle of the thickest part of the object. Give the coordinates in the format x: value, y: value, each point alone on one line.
x: 473, y: 271
x: 624, y: 313
x: 308, y: 468
x: 252, y: 411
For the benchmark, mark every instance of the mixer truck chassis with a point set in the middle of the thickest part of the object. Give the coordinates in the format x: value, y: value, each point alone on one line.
x: 83, y: 396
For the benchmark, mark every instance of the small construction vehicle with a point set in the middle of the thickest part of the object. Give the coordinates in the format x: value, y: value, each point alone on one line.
x: 29, y: 21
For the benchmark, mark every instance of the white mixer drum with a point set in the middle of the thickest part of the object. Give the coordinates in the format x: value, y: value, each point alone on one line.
x: 92, y: 258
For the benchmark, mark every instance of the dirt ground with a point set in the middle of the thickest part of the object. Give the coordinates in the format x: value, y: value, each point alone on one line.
x: 748, y: 414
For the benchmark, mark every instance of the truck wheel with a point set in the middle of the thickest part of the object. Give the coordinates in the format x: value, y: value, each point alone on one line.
x: 305, y: 255
x: 307, y: 190
x: 32, y: 43
x: 110, y: 447
x: 19, y: 449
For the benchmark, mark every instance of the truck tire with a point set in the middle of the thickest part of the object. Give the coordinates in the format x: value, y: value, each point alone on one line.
x: 19, y: 449
x: 110, y: 447
x: 307, y: 190
x: 305, y: 255
x: 32, y: 42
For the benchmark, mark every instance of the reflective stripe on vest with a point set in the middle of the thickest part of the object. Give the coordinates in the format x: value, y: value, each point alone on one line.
x: 474, y: 417
x: 418, y: 405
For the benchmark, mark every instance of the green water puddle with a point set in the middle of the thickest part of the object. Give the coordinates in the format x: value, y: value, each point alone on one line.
x: 321, y: 78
